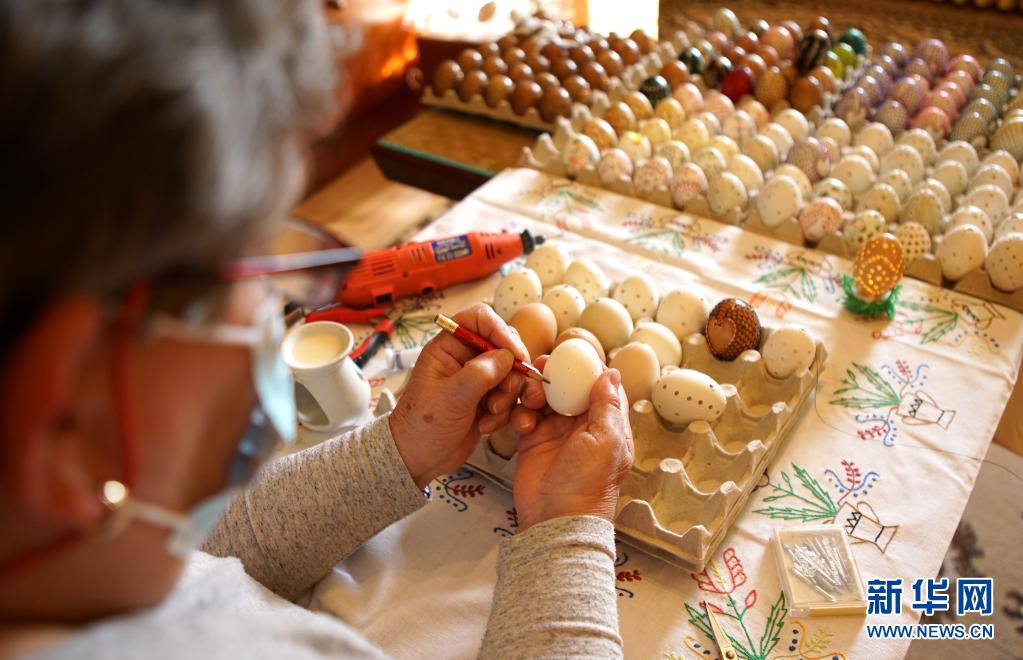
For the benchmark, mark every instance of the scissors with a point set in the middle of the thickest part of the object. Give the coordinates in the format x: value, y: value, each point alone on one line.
x: 720, y: 638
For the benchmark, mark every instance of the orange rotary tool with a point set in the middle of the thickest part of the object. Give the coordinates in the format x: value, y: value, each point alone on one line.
x: 414, y: 269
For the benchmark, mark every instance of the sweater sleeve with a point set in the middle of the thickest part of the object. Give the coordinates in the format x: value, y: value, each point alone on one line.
x: 555, y: 595
x: 305, y: 512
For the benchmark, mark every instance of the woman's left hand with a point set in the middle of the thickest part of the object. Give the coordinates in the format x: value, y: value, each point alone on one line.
x: 456, y: 394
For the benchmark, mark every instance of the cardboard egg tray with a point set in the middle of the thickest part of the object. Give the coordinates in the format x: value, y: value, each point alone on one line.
x: 688, y: 485
x: 631, y: 78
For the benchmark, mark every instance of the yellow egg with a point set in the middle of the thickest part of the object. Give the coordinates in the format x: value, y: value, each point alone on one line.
x: 537, y: 327
x: 879, y: 266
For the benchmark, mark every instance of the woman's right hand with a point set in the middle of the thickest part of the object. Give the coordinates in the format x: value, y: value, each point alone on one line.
x: 571, y: 465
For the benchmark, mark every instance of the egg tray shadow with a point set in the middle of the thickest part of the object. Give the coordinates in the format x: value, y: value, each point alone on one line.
x: 687, y: 485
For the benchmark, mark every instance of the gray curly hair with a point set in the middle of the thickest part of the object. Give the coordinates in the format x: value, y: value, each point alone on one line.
x: 144, y: 136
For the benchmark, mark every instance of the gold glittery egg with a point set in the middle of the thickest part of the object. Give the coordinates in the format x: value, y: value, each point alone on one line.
x: 621, y: 117
x: 639, y: 104
x: 600, y: 132
x: 879, y: 266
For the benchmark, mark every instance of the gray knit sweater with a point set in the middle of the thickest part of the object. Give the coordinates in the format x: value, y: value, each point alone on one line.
x: 554, y: 597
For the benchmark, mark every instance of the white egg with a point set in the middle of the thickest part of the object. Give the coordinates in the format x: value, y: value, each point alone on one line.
x: 952, y: 175
x: 883, y: 199
x: 836, y: 190
x: 867, y: 154
x: 914, y: 239
x: 920, y: 140
x: 779, y: 200
x: 961, y: 250
x: 1009, y: 225
x: 549, y: 262
x: 991, y: 199
x: 683, y: 312
x: 794, y: 122
x: 939, y: 189
x: 1004, y: 160
x: 609, y: 322
x: 837, y: 130
x: 854, y: 171
x: 638, y: 293
x: 664, y: 342
x: 639, y: 367
x: 1004, y: 262
x: 636, y: 145
x: 877, y: 137
x: 972, y: 215
x: 924, y: 207
x: 797, y: 175
x: 763, y: 152
x: 788, y: 350
x: 518, y: 288
x: 781, y: 138
x: 572, y: 369
x: 905, y: 158
x: 994, y: 175
x: 962, y: 152
x: 656, y: 130
x: 725, y: 145
x: 682, y: 396
x: 566, y: 303
x: 587, y: 278
x: 900, y: 183
x: 747, y: 170
x: 726, y: 193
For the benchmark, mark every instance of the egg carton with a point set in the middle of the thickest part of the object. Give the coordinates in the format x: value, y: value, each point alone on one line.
x: 630, y: 79
x: 687, y: 485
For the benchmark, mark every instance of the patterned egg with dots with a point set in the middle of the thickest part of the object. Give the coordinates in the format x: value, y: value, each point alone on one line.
x: 549, y: 262
x: 516, y: 290
x: 733, y: 327
x: 682, y: 396
x: 587, y: 278
x: 863, y: 226
x: 567, y: 304
x: 914, y: 239
x: 638, y: 293
x: 1004, y: 262
x: 688, y: 183
x: 878, y: 266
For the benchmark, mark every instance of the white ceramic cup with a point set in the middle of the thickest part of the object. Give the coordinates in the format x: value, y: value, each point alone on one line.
x: 330, y: 391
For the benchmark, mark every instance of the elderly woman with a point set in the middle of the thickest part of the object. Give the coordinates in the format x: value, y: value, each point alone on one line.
x: 147, y: 143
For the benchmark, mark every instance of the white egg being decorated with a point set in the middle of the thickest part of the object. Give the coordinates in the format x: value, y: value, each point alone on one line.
x: 609, y: 322
x: 961, y: 250
x: 587, y: 278
x: 788, y: 351
x: 518, y: 288
x: 662, y: 340
x: 639, y: 367
x: 638, y: 294
x: 549, y: 262
x: 682, y: 396
x: 683, y: 312
x: 572, y: 369
x: 566, y: 303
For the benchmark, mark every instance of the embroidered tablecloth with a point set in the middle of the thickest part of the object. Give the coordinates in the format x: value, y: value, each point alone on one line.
x: 889, y: 446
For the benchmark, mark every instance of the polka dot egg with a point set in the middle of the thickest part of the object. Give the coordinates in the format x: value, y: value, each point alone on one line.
x: 794, y: 122
x: 726, y: 193
x: 682, y: 396
x: 991, y: 199
x: 779, y: 200
x: 973, y: 216
x: 549, y: 262
x: 836, y: 190
x: 862, y: 227
x: 837, y: 130
x: 877, y: 137
x: 567, y: 304
x: 854, y: 172
x: 683, y: 311
x: 743, y: 167
x: 671, y: 111
x: 961, y: 250
x: 788, y: 351
x: 1004, y: 262
x: 921, y: 141
x: 517, y: 289
x: 638, y: 294
x: 1004, y: 159
x: 883, y: 199
x: 962, y: 152
x: 924, y: 207
x: 694, y: 134
x: 900, y: 183
x: 740, y: 127
x: 587, y: 278
x: 994, y: 175
x: 656, y: 130
x: 905, y: 158
x: 952, y: 174
x: 914, y: 239
x: 763, y: 152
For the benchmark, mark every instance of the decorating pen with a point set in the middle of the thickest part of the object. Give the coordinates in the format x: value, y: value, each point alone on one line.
x: 473, y: 340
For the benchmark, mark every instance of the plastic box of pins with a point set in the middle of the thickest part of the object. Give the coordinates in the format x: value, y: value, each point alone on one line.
x: 818, y: 572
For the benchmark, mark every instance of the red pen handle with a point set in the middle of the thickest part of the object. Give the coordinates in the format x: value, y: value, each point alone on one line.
x: 473, y: 340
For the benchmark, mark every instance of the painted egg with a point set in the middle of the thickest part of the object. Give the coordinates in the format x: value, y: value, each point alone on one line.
x: 910, y: 93
x: 986, y: 109
x: 834, y: 189
x: 919, y: 67
x: 772, y: 87
x: 639, y: 104
x: 780, y: 137
x: 675, y: 152
x: 710, y: 160
x: 566, y: 303
x: 923, y: 206
x: 689, y: 183
x: 671, y: 111
x: 638, y: 294
x: 967, y: 63
x: 921, y: 141
x: 710, y: 121
x: 639, y: 368
x: 756, y: 111
x: 621, y: 117
x: 690, y: 97
x: 636, y: 145
x: 587, y: 278
x: 537, y: 327
x: 585, y: 335
x: 517, y: 289
x: 893, y: 116
x: 655, y: 89
x: 837, y: 130
x: 797, y: 175
x: 900, y: 183
x: 1009, y: 137
x: 609, y: 322
x: 994, y: 175
x: 971, y: 127
x: 810, y: 156
x: 789, y: 351
x: 961, y: 250
x: 763, y: 152
x: 952, y: 174
x: 863, y: 226
x: 932, y: 120
x: 914, y: 239
x: 549, y: 262
x: 733, y: 327
x: 991, y: 199
x: 613, y: 165
x: 1004, y: 262
x: 877, y: 137
x: 853, y: 107
x: 939, y: 189
x: 740, y: 127
x: 726, y: 192
x: 779, y: 38
x: 854, y: 172
x: 779, y: 199
x: 962, y: 152
x: 878, y: 266
x: 1008, y: 226
x: 747, y: 170
x: 694, y: 134
x: 656, y: 130
x: 652, y: 174
x: 973, y: 216
x: 719, y: 105
x: 600, y: 132
x: 579, y: 152
x: 905, y: 158
x: 794, y: 122
x: 684, y: 312
x: 819, y: 218
x: 883, y: 199
x: 682, y: 396
x: 666, y: 345
x: 572, y: 369
x: 1004, y: 160
x: 962, y: 80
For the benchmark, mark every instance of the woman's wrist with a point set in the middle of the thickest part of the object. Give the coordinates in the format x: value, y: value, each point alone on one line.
x: 404, y: 437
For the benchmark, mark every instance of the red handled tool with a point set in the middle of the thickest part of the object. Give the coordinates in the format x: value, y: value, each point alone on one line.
x: 473, y: 340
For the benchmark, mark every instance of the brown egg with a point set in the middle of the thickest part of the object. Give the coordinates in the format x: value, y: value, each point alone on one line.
x: 600, y: 132
x: 526, y: 95
x: 596, y: 75
x: 806, y: 92
x: 513, y: 55
x: 581, y: 54
x: 489, y: 50
x: 732, y: 327
x: 621, y: 117
x: 499, y: 89
x: 577, y: 88
x: 470, y: 59
x: 508, y: 41
x: 790, y: 72
x: 643, y: 41
x: 639, y: 104
x: 555, y: 50
x: 629, y: 51
x: 531, y: 45
x: 475, y: 82
x: 675, y: 73
x: 538, y: 62
x: 772, y: 87
x: 878, y: 266
x: 494, y: 65
x: 537, y: 326
x: 735, y: 53
x: 547, y: 80
x: 581, y: 333
x: 556, y: 102
x: 769, y: 54
x: 599, y: 45
x: 826, y: 78
x: 756, y: 64
x: 822, y: 23
x: 447, y: 76
x: 611, y: 61
x: 563, y: 67
x: 519, y: 71
x: 793, y: 28
x: 747, y: 41
x: 718, y: 39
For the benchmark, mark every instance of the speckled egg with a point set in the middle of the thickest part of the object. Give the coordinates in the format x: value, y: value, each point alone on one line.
x: 517, y: 289
x: 747, y: 170
x: 922, y: 141
x: 939, y: 189
x: 854, y: 172
x: 900, y: 183
x: 608, y: 320
x: 579, y: 152
x: 994, y: 175
x: 914, y: 239
x: 819, y: 218
x: 837, y: 130
x: 652, y: 174
x: 572, y: 369
x: 689, y: 182
x: 694, y: 134
x: 636, y: 145
x: 991, y: 199
x: 789, y: 351
x: 834, y: 189
x: 1004, y: 159
x: 972, y: 215
x: 682, y: 396
x: 639, y: 368
x: 733, y: 327
x: 780, y: 137
x: 794, y: 122
x: 587, y: 278
x: 962, y: 152
x: 864, y: 225
x: 923, y: 206
x: 638, y: 294
x: 810, y: 156
x: 877, y: 137
x: 904, y: 157
x: 952, y: 174
x: 726, y: 193
x: 656, y: 130
x: 682, y: 311
x: 779, y: 199
x: 1004, y: 262
x: 763, y: 152
x: 613, y: 165
x: 549, y: 261
x: 600, y: 132
x: 566, y: 303
x: 882, y: 198
x: 961, y: 250
x: 664, y: 342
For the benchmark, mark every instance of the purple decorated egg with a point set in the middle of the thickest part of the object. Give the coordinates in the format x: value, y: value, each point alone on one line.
x: 884, y: 81
x: 939, y: 98
x: 811, y: 157
x: 893, y: 115
x: 897, y: 52
x: 934, y: 53
x: 967, y: 63
x: 887, y: 63
x: 918, y: 66
x: 934, y: 121
x: 910, y: 92
x: 853, y: 106
x: 870, y: 85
